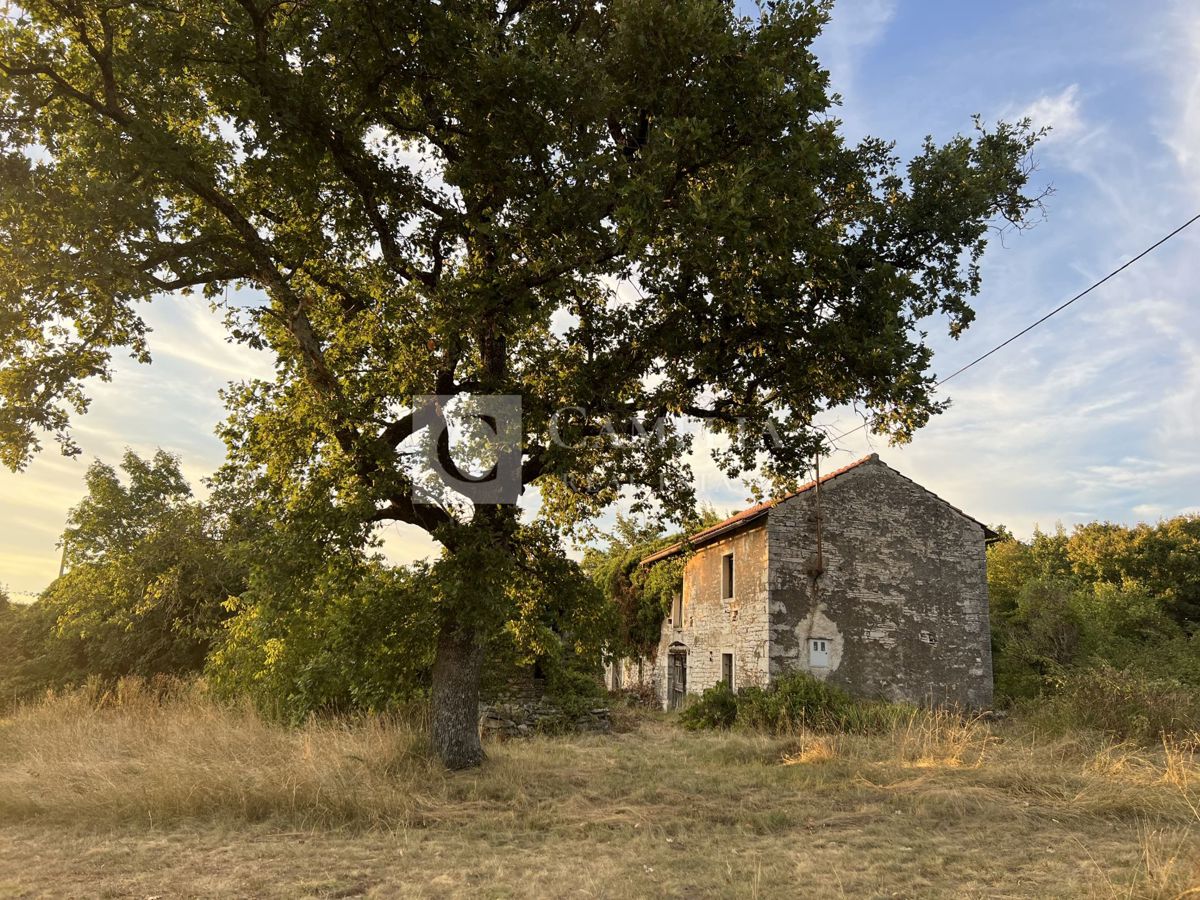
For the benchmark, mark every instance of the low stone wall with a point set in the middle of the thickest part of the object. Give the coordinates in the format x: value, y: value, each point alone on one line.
x: 511, y: 719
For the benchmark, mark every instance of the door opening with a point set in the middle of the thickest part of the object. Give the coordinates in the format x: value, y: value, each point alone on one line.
x: 676, y: 679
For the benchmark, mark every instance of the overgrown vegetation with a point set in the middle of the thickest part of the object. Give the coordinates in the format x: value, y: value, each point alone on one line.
x: 1099, y: 626
x: 271, y: 610
x: 793, y: 703
x: 640, y: 596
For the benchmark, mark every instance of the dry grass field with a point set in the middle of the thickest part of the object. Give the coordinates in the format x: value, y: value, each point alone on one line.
x: 183, y: 798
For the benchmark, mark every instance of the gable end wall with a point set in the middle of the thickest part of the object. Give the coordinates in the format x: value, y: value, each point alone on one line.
x: 897, y: 561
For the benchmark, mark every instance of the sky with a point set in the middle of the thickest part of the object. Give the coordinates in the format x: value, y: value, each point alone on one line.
x: 1093, y: 415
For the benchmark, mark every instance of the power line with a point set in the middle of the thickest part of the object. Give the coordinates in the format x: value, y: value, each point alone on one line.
x: 1051, y: 314
x: 1079, y: 296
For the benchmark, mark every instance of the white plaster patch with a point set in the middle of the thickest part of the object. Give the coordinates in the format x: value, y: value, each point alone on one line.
x: 818, y: 626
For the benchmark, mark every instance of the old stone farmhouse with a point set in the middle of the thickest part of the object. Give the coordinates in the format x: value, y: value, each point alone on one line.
x: 865, y: 579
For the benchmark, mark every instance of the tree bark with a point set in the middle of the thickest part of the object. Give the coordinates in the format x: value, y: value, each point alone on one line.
x: 454, y: 706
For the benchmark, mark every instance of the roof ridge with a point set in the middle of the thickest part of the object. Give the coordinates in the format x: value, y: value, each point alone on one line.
x: 753, y: 512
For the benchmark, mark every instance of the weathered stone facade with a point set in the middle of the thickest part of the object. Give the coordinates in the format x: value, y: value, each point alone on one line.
x: 895, y: 607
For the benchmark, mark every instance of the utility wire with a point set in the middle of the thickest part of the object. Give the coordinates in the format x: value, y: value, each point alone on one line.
x: 1052, y: 313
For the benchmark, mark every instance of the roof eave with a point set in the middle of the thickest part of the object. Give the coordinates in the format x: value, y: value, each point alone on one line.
x: 682, y: 546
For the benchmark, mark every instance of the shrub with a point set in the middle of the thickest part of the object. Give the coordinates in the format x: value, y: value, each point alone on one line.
x: 359, y: 636
x: 716, y: 708
x: 797, y: 700
x: 1124, y: 704
x: 572, y: 684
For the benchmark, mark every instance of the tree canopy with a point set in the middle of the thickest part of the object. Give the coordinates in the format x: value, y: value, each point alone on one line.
x: 1102, y: 594
x: 447, y: 198
x: 148, y: 572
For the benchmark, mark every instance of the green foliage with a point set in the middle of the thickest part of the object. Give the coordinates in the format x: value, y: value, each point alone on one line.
x: 1104, y: 596
x: 147, y: 573
x: 1125, y: 704
x: 1164, y: 559
x: 717, y: 707
x: 327, y: 626
x: 640, y: 596
x: 357, y: 635
x: 148, y: 576
x: 33, y: 658
x: 794, y: 701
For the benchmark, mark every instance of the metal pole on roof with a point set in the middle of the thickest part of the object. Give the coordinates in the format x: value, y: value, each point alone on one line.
x: 820, y: 569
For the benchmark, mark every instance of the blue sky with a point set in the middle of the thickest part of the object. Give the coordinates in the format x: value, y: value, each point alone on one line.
x: 1095, y: 415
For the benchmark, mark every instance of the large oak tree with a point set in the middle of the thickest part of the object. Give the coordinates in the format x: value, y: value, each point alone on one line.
x: 444, y: 197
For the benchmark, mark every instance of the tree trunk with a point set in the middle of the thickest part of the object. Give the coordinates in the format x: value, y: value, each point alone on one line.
x: 454, y: 713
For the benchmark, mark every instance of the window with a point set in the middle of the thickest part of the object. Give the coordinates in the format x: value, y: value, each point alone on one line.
x: 727, y: 576
x: 727, y: 669
x: 818, y: 653
x: 677, y: 610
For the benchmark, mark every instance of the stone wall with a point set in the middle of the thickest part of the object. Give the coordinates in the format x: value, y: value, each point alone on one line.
x: 902, y: 602
x: 626, y: 674
x: 524, y: 718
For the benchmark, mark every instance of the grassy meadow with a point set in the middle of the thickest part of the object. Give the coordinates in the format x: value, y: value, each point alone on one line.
x: 135, y: 794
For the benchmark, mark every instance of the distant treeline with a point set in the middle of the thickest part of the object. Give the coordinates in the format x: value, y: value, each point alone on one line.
x: 1100, y: 595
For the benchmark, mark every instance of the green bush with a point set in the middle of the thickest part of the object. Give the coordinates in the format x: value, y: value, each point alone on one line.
x: 1127, y: 598
x: 795, y: 701
x: 716, y: 708
x: 1124, y: 704
x: 358, y: 636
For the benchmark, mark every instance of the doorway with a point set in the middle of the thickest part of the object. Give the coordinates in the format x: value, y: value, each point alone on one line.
x: 676, y: 679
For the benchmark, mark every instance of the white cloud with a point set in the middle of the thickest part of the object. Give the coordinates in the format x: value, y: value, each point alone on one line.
x: 854, y: 28
x: 186, y: 330
x: 404, y: 543
x: 1060, y: 112
x: 1180, y: 126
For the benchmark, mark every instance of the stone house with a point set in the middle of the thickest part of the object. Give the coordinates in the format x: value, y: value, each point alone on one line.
x: 865, y: 579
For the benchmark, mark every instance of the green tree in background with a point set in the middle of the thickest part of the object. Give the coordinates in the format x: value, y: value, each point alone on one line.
x: 1162, y: 558
x: 148, y: 572
x: 32, y: 660
x: 1103, y: 595
x: 441, y: 198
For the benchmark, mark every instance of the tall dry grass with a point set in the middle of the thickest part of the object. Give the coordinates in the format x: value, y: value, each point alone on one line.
x: 169, y: 755
x: 168, y: 752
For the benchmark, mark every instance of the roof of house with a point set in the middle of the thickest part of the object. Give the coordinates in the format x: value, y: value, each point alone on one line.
x: 746, y: 516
